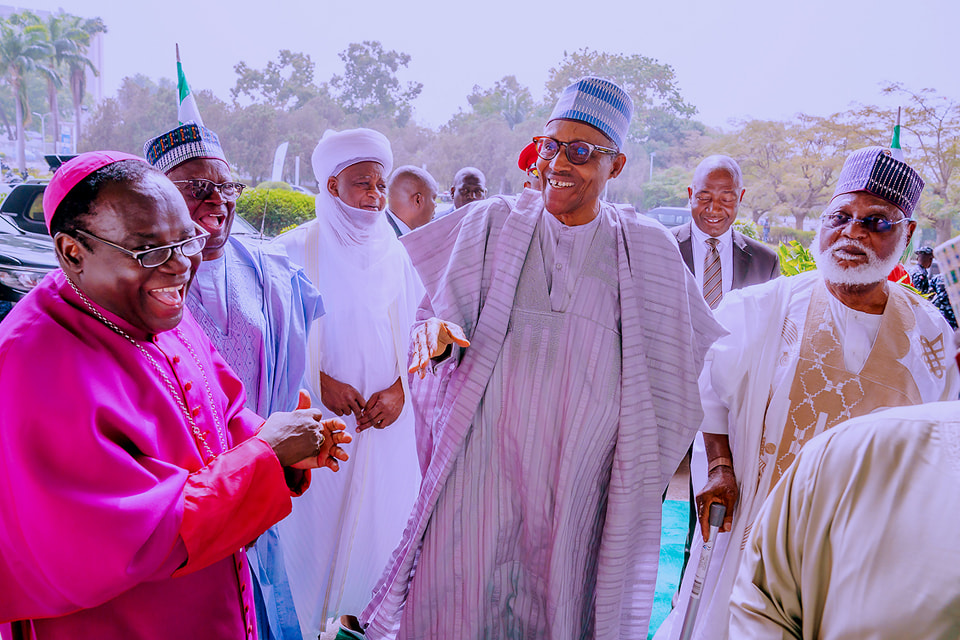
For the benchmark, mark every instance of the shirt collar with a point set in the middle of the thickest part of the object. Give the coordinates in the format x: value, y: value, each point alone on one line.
x: 724, y: 239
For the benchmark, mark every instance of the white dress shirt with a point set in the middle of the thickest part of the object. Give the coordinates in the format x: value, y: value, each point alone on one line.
x: 698, y: 240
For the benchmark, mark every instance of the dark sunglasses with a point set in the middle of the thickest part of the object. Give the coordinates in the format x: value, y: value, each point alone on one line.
x: 201, y: 189
x: 578, y: 152
x: 874, y: 224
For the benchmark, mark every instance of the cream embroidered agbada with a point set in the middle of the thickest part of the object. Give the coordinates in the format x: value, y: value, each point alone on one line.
x: 784, y: 375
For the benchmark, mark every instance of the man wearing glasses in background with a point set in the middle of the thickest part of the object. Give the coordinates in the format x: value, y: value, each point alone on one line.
x: 808, y: 352
x: 256, y: 307
x: 559, y: 351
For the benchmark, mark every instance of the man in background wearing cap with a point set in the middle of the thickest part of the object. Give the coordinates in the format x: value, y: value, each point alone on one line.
x: 411, y: 199
x: 337, y: 542
x: 132, y: 476
x: 809, y: 351
x: 256, y: 308
x: 920, y: 275
x: 566, y: 336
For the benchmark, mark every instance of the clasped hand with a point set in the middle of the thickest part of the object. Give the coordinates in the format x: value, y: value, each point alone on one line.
x: 303, y: 439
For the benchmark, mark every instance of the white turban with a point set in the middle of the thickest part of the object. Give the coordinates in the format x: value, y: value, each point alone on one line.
x: 337, y: 150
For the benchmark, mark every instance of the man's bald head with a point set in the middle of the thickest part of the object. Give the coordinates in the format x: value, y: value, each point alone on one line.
x: 469, y: 184
x: 412, y: 194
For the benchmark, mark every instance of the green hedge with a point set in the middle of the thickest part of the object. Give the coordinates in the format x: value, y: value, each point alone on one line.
x: 284, y: 209
x: 786, y: 234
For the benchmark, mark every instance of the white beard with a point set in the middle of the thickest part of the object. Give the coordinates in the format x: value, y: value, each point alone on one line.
x: 873, y: 271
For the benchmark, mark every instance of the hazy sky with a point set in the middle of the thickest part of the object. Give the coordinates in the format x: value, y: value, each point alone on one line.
x: 737, y: 59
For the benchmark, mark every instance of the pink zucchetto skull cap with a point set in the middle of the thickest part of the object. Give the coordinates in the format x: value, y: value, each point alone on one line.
x: 70, y: 173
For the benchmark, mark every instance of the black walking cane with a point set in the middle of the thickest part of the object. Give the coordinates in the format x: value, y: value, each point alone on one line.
x: 717, y: 512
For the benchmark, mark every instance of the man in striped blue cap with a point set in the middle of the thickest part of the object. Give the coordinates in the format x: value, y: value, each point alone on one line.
x: 256, y: 307
x: 555, y: 386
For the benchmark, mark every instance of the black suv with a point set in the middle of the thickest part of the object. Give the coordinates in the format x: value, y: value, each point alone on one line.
x: 24, y: 260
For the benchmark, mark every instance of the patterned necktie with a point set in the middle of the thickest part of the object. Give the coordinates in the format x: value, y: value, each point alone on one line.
x: 712, y: 291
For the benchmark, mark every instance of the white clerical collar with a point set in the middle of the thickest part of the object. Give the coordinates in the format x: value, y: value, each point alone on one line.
x: 723, y: 240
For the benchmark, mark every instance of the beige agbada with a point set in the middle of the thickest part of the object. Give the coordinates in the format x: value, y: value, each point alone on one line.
x: 780, y: 378
x: 859, y: 538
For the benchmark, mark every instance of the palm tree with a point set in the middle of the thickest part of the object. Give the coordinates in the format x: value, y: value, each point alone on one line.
x: 23, y: 47
x: 81, y: 31
x: 62, y: 34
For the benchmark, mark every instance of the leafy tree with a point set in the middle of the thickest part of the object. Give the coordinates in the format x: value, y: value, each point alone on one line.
x: 507, y: 98
x: 667, y: 189
x: 369, y: 86
x: 141, y: 110
x: 932, y: 124
x: 285, y: 84
x: 790, y: 168
x: 79, y: 31
x: 23, y: 50
x: 660, y: 114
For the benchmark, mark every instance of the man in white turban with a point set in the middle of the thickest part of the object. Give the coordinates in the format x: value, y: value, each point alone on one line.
x: 337, y: 544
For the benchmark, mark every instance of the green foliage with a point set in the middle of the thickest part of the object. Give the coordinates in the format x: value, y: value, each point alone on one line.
x: 369, y: 86
x: 747, y: 228
x: 285, y: 84
x: 507, y: 98
x: 794, y: 258
x: 271, y: 184
x: 141, y: 110
x: 657, y: 103
x: 788, y: 234
x: 667, y: 189
x: 277, y: 209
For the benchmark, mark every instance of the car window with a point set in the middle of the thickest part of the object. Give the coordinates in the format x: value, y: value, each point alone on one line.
x: 35, y: 212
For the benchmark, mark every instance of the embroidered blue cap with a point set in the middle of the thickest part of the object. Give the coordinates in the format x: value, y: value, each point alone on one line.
x: 186, y: 142
x: 876, y: 171
x: 599, y: 103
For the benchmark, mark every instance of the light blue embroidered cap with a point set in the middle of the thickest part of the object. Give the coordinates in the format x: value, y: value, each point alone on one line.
x: 599, y: 103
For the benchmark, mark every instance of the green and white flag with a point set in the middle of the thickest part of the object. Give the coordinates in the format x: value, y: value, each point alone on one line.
x: 187, y: 109
x: 895, y: 149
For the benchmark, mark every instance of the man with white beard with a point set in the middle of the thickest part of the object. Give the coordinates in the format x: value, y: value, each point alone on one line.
x: 807, y: 352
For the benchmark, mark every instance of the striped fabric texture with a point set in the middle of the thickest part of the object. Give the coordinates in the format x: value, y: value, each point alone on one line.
x: 712, y: 282
x: 471, y: 262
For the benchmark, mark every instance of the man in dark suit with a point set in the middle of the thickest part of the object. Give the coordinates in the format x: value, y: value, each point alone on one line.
x: 411, y: 199
x: 721, y: 258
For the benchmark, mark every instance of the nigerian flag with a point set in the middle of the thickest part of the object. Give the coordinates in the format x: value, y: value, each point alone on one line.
x: 895, y: 149
x: 187, y: 110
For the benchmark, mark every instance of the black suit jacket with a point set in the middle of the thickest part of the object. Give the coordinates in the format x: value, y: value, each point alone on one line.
x: 753, y: 262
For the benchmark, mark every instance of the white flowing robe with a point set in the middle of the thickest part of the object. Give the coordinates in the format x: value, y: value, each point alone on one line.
x: 339, y: 538
x: 747, y: 386
x: 594, y: 528
x: 859, y: 539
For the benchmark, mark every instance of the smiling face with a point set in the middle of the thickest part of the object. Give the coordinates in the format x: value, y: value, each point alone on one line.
x: 571, y: 192
x: 714, y: 199
x: 214, y: 214
x: 850, y: 254
x: 147, y: 214
x: 360, y: 186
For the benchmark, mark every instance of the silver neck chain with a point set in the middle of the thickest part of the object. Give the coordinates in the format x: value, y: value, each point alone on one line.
x: 197, y: 433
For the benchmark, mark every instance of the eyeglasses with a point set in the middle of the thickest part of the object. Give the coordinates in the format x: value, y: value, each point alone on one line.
x: 874, y: 224
x: 201, y: 189
x: 578, y: 152
x: 151, y: 258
